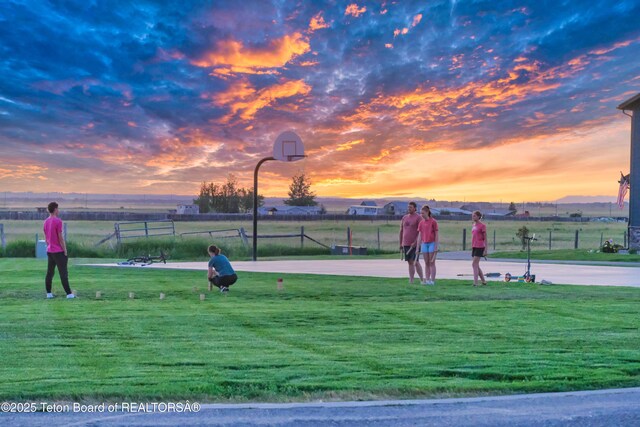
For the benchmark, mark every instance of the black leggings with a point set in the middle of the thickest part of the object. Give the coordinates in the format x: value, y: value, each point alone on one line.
x: 227, y: 281
x: 58, y: 259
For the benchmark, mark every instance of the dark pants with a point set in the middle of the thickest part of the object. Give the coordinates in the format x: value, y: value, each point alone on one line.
x: 221, y: 281
x: 58, y: 259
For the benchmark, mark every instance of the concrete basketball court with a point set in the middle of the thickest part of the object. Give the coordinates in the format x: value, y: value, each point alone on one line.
x: 556, y: 273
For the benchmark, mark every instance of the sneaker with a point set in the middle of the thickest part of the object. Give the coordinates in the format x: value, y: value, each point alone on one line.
x: 50, y: 295
x: 432, y: 282
x: 70, y: 296
x: 424, y: 282
x: 224, y: 289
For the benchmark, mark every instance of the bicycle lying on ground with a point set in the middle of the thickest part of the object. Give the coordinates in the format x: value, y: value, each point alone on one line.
x: 143, y: 260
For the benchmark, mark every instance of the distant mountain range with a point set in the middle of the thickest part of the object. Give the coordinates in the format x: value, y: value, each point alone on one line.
x: 331, y: 203
x: 587, y: 199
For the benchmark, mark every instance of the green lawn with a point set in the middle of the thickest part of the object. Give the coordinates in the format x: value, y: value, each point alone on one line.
x: 322, y: 337
x: 501, y: 234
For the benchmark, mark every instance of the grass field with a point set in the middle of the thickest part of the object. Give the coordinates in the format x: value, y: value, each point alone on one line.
x: 322, y: 337
x: 365, y: 233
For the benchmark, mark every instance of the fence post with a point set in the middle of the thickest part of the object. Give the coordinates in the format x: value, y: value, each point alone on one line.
x: 243, y: 236
x: 378, y: 237
x: 549, y: 239
x: 494, y: 239
x: 348, y: 236
x: 464, y: 239
x: 575, y: 245
x: 64, y: 231
x: 146, y: 229
x: 301, y: 236
x: 601, y: 236
x: 625, y: 239
x: 2, y: 239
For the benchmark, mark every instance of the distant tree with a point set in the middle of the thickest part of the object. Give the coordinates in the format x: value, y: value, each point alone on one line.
x: 225, y: 198
x: 512, y: 207
x: 300, y: 193
x: 522, y: 234
x: 246, y: 200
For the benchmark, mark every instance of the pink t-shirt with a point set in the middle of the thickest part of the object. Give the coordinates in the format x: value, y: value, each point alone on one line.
x: 53, y: 226
x: 428, y: 229
x: 479, y: 233
x: 410, y: 228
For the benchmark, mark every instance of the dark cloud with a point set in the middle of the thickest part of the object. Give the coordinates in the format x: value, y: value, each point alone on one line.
x: 121, y: 81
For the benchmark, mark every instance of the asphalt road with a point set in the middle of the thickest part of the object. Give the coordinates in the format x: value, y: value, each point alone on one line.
x: 616, y: 407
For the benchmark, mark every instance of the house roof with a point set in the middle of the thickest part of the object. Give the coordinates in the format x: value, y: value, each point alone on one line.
x: 368, y: 203
x: 366, y: 207
x: 632, y: 103
x: 286, y: 208
x: 499, y: 212
x: 454, y: 211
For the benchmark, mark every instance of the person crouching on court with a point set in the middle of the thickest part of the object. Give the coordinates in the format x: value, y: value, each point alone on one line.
x: 220, y: 274
x: 429, y: 242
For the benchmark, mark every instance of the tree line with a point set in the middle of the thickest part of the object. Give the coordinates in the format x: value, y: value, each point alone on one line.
x: 230, y: 197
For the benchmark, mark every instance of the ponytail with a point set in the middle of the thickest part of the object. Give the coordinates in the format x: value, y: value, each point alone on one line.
x: 213, y: 249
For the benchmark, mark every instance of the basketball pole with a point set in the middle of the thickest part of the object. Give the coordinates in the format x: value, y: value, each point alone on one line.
x: 255, y: 206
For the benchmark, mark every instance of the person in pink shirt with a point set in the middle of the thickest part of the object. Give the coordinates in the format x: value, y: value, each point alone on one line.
x: 478, y: 246
x: 429, y: 242
x: 56, y: 251
x: 408, y: 240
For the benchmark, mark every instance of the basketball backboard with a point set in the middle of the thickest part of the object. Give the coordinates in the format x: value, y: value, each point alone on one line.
x: 288, y: 147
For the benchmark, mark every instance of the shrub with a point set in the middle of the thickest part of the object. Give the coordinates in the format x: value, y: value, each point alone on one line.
x: 20, y: 249
x: 522, y: 234
x: 610, y: 247
x: 76, y: 250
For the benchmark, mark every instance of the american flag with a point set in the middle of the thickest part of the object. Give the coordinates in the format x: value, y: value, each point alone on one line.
x: 622, y: 191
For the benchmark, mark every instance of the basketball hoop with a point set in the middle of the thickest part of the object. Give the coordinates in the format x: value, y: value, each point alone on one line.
x: 288, y: 147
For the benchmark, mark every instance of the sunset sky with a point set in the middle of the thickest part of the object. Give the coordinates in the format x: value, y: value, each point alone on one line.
x: 452, y: 100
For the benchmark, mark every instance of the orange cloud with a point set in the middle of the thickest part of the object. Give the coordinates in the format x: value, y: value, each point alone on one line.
x: 349, y: 145
x: 232, y: 56
x: 612, y: 48
x: 416, y: 20
x: 428, y: 108
x: 354, y: 10
x: 317, y: 23
x: 22, y: 171
x: 244, y: 101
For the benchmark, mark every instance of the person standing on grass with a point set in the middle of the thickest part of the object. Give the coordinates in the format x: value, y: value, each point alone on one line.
x: 429, y: 242
x: 408, y: 241
x: 220, y: 274
x: 56, y: 251
x: 478, y: 246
